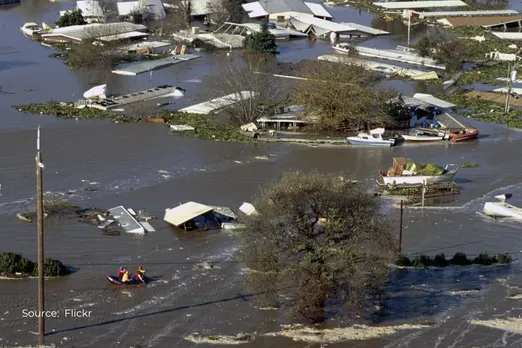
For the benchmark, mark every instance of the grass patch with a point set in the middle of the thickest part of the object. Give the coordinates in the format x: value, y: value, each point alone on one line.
x: 468, y: 165
x: 11, y: 264
x: 206, y: 126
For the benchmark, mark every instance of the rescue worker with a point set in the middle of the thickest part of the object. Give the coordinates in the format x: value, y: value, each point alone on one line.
x: 120, y: 272
x: 126, y: 278
x: 140, y: 273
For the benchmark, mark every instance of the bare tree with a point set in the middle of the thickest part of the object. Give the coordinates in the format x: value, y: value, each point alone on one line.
x: 342, y: 95
x: 318, y: 237
x: 251, y: 74
x: 221, y: 11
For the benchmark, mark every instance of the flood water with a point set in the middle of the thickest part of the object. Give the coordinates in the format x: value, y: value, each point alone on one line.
x: 143, y: 167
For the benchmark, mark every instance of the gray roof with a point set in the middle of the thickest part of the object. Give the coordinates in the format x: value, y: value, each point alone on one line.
x: 277, y: 6
x: 452, y: 121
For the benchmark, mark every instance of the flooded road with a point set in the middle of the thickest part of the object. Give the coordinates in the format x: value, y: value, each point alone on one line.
x: 143, y: 167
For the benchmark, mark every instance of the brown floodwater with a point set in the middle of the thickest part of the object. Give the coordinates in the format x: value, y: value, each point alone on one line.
x: 143, y: 167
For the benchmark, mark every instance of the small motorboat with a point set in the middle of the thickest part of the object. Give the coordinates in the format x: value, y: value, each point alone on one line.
x: 422, y: 137
x: 343, y: 47
x: 373, y: 138
x: 31, y: 28
x: 134, y: 281
x: 463, y: 135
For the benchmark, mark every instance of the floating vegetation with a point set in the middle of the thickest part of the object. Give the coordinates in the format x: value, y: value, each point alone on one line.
x: 468, y: 165
x: 206, y: 126
x: 15, y: 265
x: 220, y: 339
x: 459, y: 259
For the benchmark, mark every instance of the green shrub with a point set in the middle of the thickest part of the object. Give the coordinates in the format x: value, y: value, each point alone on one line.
x: 503, y: 258
x: 73, y: 17
x: 422, y: 261
x: 440, y: 260
x: 460, y: 259
x: 52, y: 268
x: 11, y: 263
x: 403, y: 261
x: 484, y: 259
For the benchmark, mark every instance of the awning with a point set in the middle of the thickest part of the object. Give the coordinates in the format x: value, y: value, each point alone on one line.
x: 185, y: 212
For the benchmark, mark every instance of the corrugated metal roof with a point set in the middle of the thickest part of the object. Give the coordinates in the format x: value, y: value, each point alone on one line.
x: 185, y: 212
x: 420, y: 4
x: 480, y: 21
x: 366, y: 29
x: 319, y: 26
x: 126, y: 220
x: 254, y: 10
x: 89, y: 31
x: 507, y: 36
x: 463, y: 13
x: 428, y: 98
x: 318, y: 10
x: 123, y: 36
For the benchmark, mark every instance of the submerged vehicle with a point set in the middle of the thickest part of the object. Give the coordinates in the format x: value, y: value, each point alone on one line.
x: 115, y: 280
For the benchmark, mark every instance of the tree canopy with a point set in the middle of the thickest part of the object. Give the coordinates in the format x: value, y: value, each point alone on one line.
x: 73, y: 17
x: 443, y: 46
x: 342, y: 95
x: 317, y: 237
x: 261, y: 42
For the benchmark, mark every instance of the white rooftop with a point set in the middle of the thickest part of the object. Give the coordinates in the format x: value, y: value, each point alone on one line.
x: 420, y: 4
x: 319, y: 26
x: 185, y: 212
x: 464, y: 13
x: 507, y: 35
x: 90, y: 31
x: 123, y: 36
x: 428, y: 98
x: 90, y: 8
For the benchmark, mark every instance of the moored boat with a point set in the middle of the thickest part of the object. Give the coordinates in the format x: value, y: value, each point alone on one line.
x: 373, y: 138
x: 405, y: 172
x: 342, y: 47
x: 31, y: 28
x: 423, y: 137
x: 463, y: 135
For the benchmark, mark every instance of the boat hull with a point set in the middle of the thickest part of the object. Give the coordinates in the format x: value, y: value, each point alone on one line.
x: 500, y: 209
x: 410, y: 180
x: 360, y: 142
x: 468, y: 135
x: 421, y: 138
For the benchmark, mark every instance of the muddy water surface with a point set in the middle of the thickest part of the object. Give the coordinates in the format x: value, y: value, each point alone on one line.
x: 143, y: 167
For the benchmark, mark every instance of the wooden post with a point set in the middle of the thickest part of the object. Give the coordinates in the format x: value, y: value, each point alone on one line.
x: 400, y: 227
x: 40, y: 238
x: 423, y: 192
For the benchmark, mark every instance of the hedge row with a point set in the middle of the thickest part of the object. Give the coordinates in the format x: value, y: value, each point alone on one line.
x: 459, y: 259
x: 11, y: 264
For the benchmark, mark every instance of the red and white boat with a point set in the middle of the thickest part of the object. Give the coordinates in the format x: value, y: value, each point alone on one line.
x: 463, y: 135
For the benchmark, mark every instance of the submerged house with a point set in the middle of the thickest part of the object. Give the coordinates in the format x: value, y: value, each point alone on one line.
x: 283, y: 10
x: 91, y: 10
x: 103, y: 32
x: 154, y: 9
x: 193, y: 216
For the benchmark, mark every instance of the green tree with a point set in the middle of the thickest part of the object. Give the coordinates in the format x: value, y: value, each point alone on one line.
x: 261, y: 42
x: 73, y: 17
x: 342, y: 96
x: 443, y: 46
x: 317, y: 237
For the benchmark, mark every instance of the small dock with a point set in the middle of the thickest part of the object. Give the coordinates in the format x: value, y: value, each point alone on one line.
x: 133, y: 69
x: 120, y: 101
x: 421, y: 195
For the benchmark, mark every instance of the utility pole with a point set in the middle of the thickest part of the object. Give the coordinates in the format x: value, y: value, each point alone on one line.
x: 409, y: 28
x: 39, y: 218
x: 510, y: 86
x: 400, y: 228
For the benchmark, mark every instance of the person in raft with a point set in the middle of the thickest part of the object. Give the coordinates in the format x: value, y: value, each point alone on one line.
x: 126, y: 278
x: 140, y: 273
x: 121, y: 270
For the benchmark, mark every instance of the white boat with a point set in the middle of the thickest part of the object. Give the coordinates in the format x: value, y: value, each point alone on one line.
x: 422, y: 137
x: 398, y: 175
x: 502, y: 209
x: 31, y: 28
x: 374, y: 138
x: 342, y: 47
